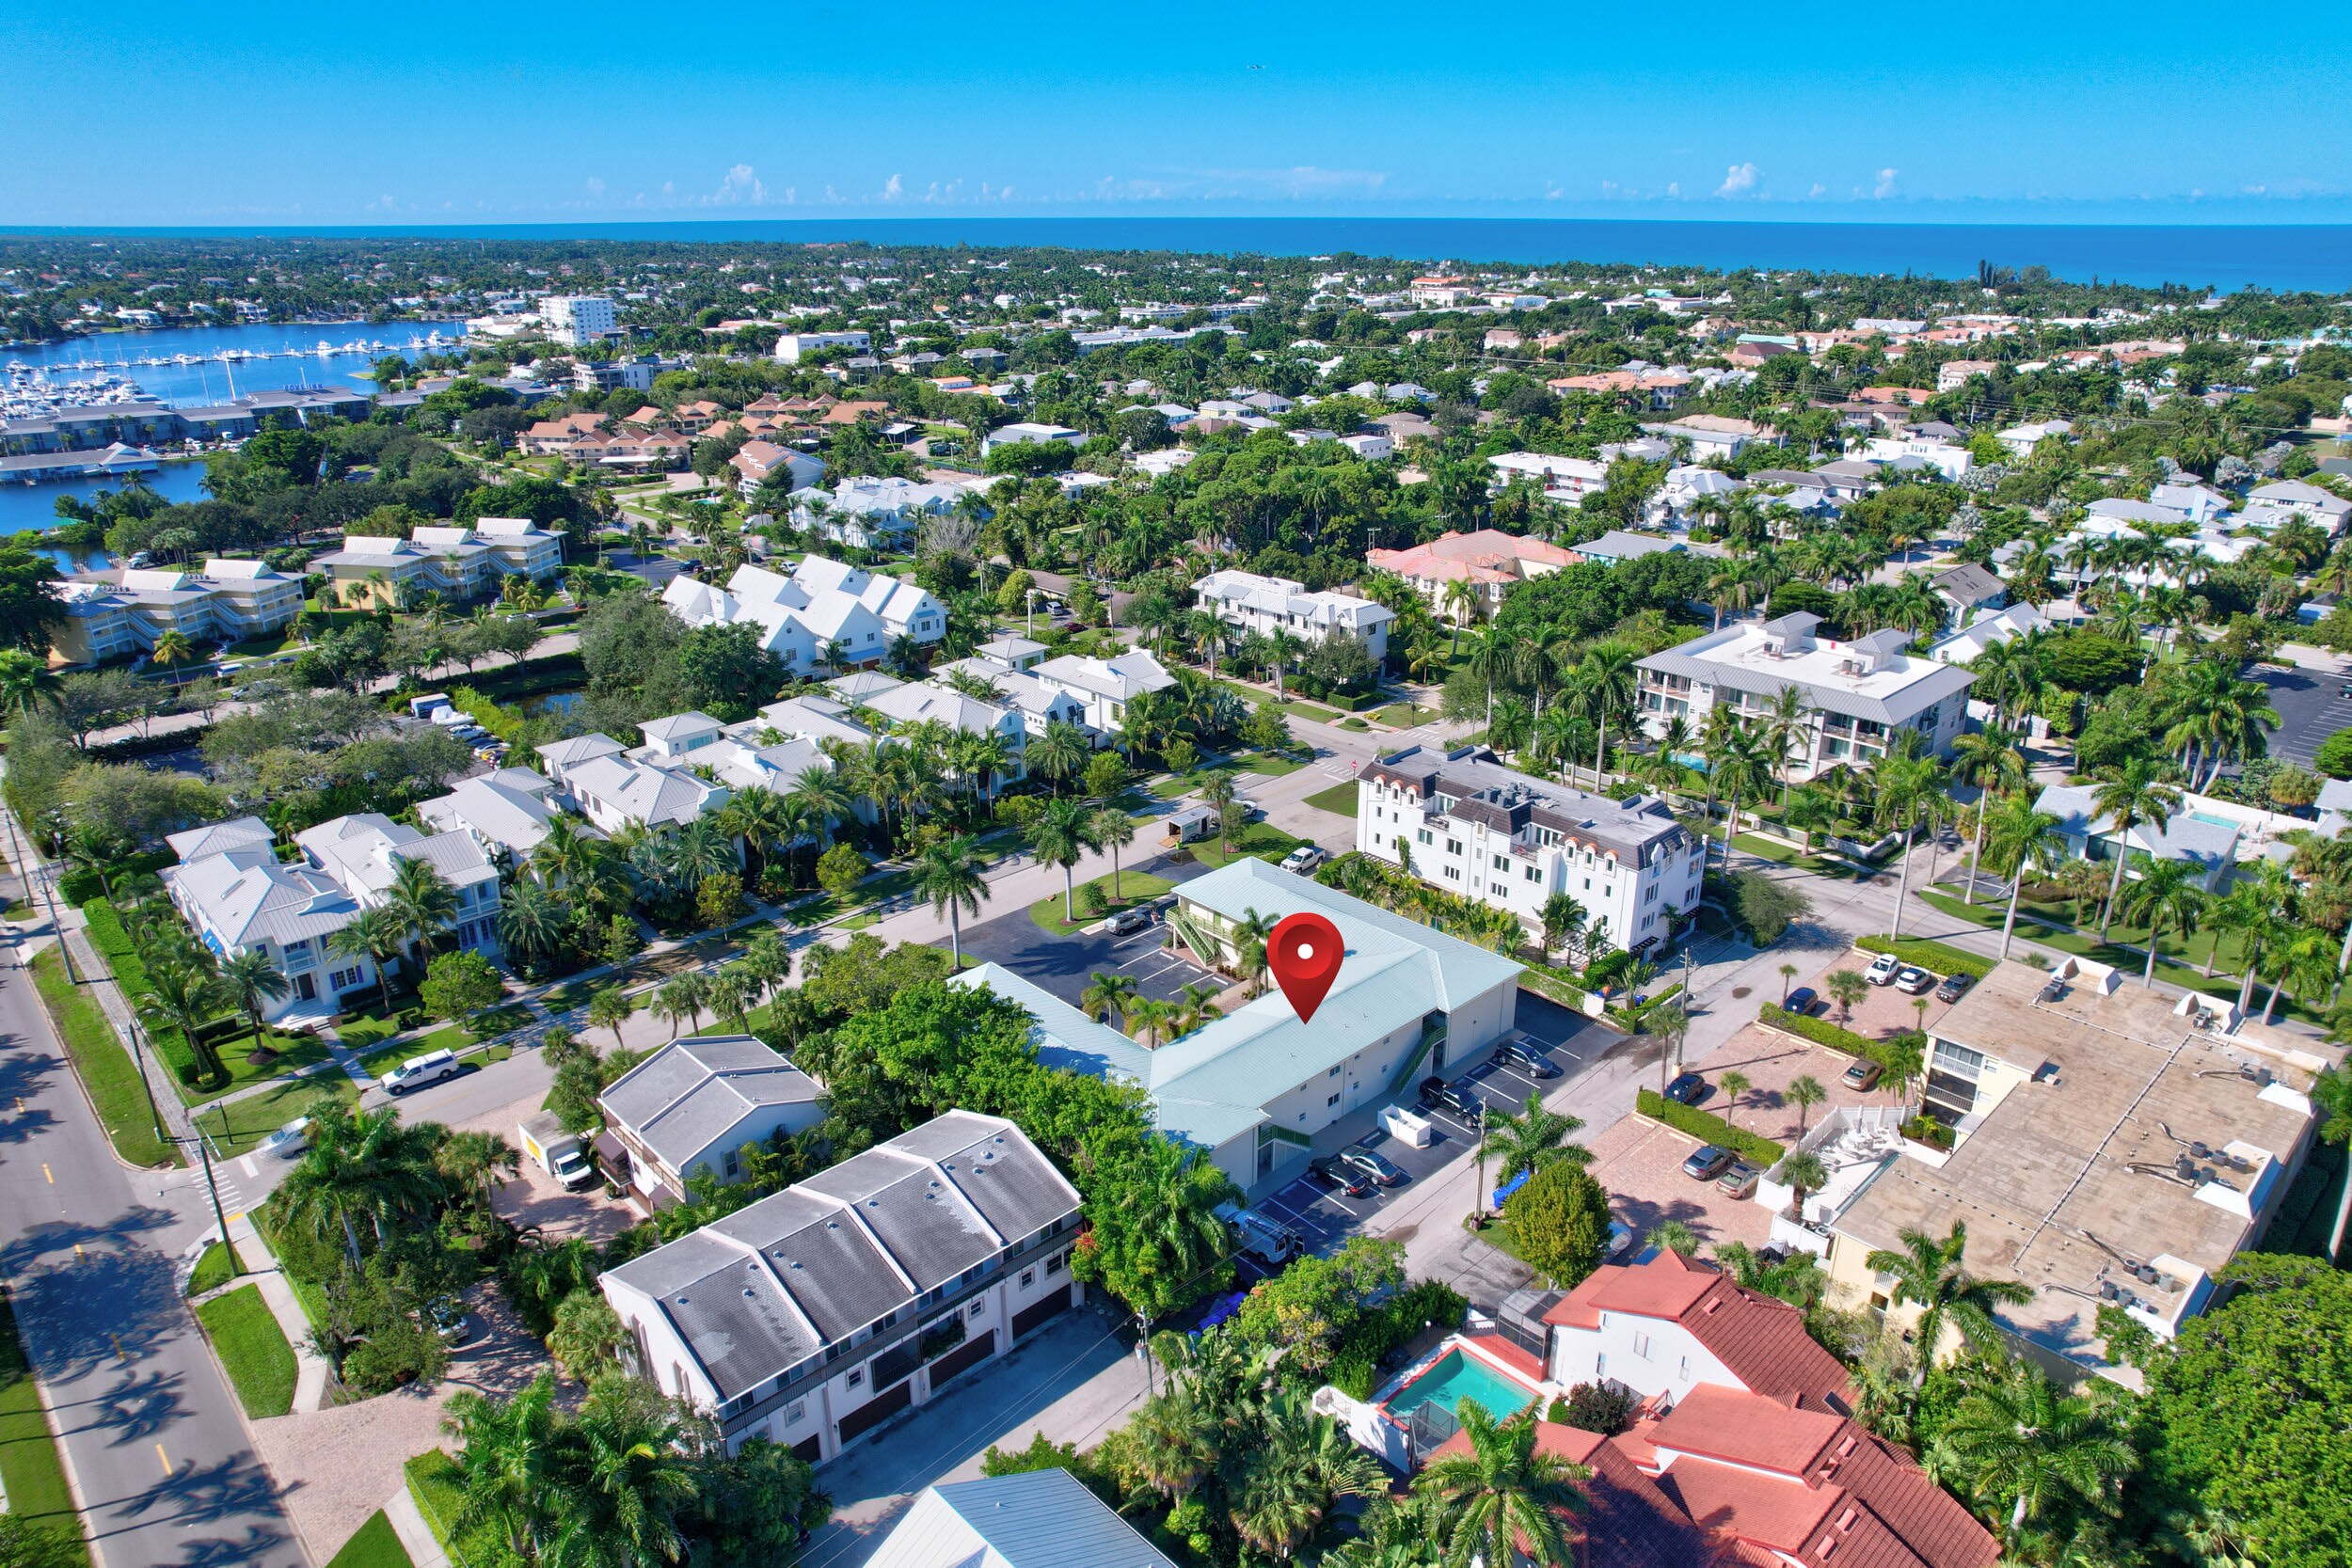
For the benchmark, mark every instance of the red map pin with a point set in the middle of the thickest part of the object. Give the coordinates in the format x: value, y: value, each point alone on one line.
x: 1304, y: 952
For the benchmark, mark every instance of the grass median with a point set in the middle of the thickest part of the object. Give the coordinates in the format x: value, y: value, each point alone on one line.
x: 29, y: 1465
x: 375, y: 1545
x: 253, y: 1351
x: 1340, y: 800
x: 105, y: 1067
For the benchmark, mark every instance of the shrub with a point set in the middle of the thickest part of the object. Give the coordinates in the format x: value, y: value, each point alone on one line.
x: 1560, y: 1222
x: 1820, y: 1031
x: 1766, y: 907
x: 1928, y: 1131
x: 1706, y: 1124
x: 1939, y: 957
x: 1096, y: 900
x: 1354, y: 1376
x: 1594, y: 1407
x: 2334, y: 758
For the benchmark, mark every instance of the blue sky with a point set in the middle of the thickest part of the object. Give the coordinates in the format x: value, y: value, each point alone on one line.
x: 248, y: 114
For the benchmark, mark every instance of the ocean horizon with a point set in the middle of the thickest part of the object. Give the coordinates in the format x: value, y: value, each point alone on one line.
x: 2282, y: 258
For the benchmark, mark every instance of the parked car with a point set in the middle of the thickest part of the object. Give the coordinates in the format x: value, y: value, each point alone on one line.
x: 1338, y: 1175
x: 1914, y: 982
x: 1800, y: 1001
x: 1373, y: 1164
x: 1620, y: 1237
x: 1883, y: 970
x: 1955, y: 986
x: 1739, y: 1179
x: 1126, y: 921
x: 288, y: 1141
x: 1303, y: 859
x: 1525, y: 1055
x: 1689, y: 1089
x: 1706, y: 1162
x: 1862, y: 1076
x: 1271, y: 1242
x: 417, y: 1071
x: 451, y: 1321
x: 1438, y: 1095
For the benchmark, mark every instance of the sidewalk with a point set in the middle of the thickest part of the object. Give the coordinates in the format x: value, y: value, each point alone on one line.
x: 312, y: 1375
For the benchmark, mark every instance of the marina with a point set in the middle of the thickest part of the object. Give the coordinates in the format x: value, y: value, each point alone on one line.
x: 189, y: 367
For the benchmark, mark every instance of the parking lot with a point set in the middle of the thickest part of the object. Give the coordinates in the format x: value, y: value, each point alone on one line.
x: 1325, y: 1218
x: 1066, y: 966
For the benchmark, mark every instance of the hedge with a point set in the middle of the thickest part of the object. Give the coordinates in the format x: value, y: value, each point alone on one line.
x: 1820, y: 1030
x: 1936, y: 956
x: 122, y: 956
x: 1758, y: 1150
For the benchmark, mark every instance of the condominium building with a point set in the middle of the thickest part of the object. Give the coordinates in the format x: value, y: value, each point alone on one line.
x: 1490, y: 561
x: 822, y: 613
x: 455, y: 561
x: 1463, y: 823
x: 112, y: 614
x: 814, y: 1315
x: 1856, y: 694
x: 794, y: 346
x: 1250, y: 603
x: 578, y: 320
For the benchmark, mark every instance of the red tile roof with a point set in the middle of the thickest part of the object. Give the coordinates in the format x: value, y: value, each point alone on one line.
x: 1760, y: 1340
x: 1744, y: 1429
x: 1628, y: 1521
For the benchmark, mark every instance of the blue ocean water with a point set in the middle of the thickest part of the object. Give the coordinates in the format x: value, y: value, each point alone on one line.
x: 2279, y: 257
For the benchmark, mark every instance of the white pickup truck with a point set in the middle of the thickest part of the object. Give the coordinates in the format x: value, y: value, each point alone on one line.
x: 560, y: 1153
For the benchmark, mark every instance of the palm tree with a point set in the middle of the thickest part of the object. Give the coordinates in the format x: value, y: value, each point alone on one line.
x: 1804, y: 1091
x: 620, y: 1480
x: 1176, y: 1438
x: 1735, y: 1083
x: 173, y: 649
x: 682, y: 1000
x: 2022, y: 1441
x: 469, y: 1161
x: 1989, y: 761
x: 2166, y: 893
x: 1111, y: 996
x: 2019, y: 838
x: 768, y: 961
x: 1564, y: 919
x: 763, y: 821
x: 1737, y: 765
x: 377, y: 935
x: 1527, y: 1142
x: 1113, y: 831
x: 1219, y: 791
x: 1801, y: 1173
x: 1180, y: 1188
x: 609, y: 1009
x: 822, y: 799
x: 1846, y: 988
x: 1061, y: 837
x: 184, y: 996
x: 503, y: 1447
x: 26, y: 682
x: 1059, y: 754
x: 531, y: 919
x: 248, y: 980
x: 1797, y: 1278
x: 1605, y: 685
x: 1908, y: 787
x: 1502, y: 1500
x: 362, y: 1164
x: 1929, y: 1274
x: 2125, y: 798
x: 1461, y: 602
x: 1251, y: 934
x: 1785, y: 722
x: 947, y: 875
x: 1150, y: 1018
x: 423, y: 902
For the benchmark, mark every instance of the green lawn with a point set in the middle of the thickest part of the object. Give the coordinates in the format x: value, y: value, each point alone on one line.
x: 364, y: 1030
x: 1262, y: 840
x: 247, y: 1121
x: 107, y: 1071
x: 1404, y: 715
x: 29, y: 1467
x: 253, y: 1350
x: 432, y: 1480
x: 217, y: 1267
x: 291, y: 1052
x: 1272, y: 764
x: 376, y: 1546
x: 1138, y: 886
x: 1340, y: 800
x: 1297, y: 709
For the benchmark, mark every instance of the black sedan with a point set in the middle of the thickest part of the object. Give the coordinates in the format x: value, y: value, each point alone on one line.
x: 1340, y: 1176
x: 1801, y: 1000
x: 1438, y: 1095
x: 1689, y: 1089
x: 1526, y: 1058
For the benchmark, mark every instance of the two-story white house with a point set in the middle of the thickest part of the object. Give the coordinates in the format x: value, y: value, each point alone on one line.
x: 1250, y: 603
x: 814, y: 1315
x: 821, y: 613
x: 238, y: 897
x: 691, y: 1107
x: 362, y: 854
x: 1463, y: 822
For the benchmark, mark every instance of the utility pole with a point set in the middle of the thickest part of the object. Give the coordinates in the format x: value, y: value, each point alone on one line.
x: 26, y: 874
x: 204, y: 1153
x: 139, y: 1057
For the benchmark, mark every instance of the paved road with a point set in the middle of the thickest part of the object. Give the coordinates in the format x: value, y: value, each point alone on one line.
x: 151, y: 1433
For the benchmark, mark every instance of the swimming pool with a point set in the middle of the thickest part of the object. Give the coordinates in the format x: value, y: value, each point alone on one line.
x: 1455, y: 1377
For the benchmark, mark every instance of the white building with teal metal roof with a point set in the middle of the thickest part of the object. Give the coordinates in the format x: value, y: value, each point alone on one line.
x: 1257, y: 1086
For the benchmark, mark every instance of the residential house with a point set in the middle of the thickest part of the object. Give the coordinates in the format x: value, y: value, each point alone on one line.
x: 813, y: 1316
x: 691, y: 1108
x: 1465, y: 824
x: 1952, y: 376
x: 2022, y: 439
x: 1038, y: 703
x: 2214, y: 837
x: 930, y: 703
x: 616, y: 789
x: 1104, y: 687
x: 1966, y: 592
x: 870, y: 514
x: 507, y: 811
x: 1711, y: 435
x: 2269, y: 505
x: 1986, y: 628
x: 822, y: 613
x: 792, y: 347
x: 1027, y: 433
x: 758, y: 462
x: 362, y: 854
x: 1567, y: 480
x: 1616, y: 546
x: 1856, y: 694
x: 1250, y: 603
x: 1489, y: 561
x: 238, y: 897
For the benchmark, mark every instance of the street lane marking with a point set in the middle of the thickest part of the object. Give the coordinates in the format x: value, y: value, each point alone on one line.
x: 120, y: 1352
x: 79, y: 1251
x: 20, y: 1102
x: 44, y: 1170
x: 164, y: 1457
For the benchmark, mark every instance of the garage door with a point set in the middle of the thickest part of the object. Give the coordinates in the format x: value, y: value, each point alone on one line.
x: 969, y: 1353
x: 1038, y: 1312
x: 808, y: 1449
x: 876, y: 1410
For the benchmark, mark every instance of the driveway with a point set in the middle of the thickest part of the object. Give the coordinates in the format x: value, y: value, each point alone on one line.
x: 1066, y: 966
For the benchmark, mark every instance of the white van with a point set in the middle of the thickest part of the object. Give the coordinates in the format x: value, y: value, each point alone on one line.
x: 1269, y: 1241
x: 417, y: 1071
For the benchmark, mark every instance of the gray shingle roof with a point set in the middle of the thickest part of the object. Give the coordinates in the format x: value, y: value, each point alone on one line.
x: 690, y: 1093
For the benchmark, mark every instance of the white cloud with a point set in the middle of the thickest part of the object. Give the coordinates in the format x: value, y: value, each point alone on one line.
x: 1818, y: 190
x: 1673, y: 187
x: 741, y: 188
x: 1738, y: 181
x: 596, y: 186
x: 1885, y: 187
x: 894, y: 189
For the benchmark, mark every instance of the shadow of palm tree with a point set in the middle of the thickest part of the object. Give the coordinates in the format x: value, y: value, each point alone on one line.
x: 82, y: 1315
x: 137, y: 1406
x: 200, y: 1492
